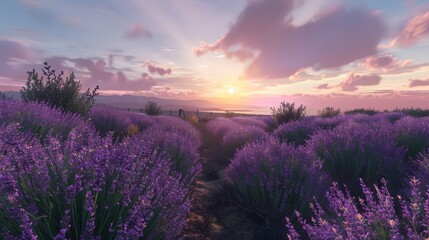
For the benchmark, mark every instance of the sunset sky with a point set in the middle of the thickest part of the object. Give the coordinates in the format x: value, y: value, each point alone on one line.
x: 342, y: 53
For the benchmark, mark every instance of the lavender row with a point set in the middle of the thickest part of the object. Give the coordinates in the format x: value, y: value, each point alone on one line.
x: 117, y: 175
x: 268, y: 174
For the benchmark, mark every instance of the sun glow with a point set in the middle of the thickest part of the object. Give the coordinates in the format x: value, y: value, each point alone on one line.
x: 231, y: 91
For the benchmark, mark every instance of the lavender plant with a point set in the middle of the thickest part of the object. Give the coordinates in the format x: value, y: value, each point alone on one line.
x: 86, y: 188
x: 181, y: 127
x: 180, y: 152
x: 218, y: 127
x: 273, y: 179
x: 412, y: 134
x: 331, y: 122
x: 373, y: 217
x: 352, y: 151
x: 250, y: 121
x: 392, y: 117
x: 296, y: 132
x: 39, y: 119
x: 107, y: 119
x: 238, y: 137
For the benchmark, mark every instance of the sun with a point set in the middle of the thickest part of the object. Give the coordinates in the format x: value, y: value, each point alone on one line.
x: 231, y: 90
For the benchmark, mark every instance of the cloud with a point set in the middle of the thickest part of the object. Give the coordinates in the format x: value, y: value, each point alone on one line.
x: 323, y: 86
x: 331, y: 39
x: 97, y: 74
x: 15, y: 58
x: 418, y: 83
x: 416, y: 29
x: 385, y: 63
x: 354, y: 80
x: 138, y: 31
x: 157, y: 70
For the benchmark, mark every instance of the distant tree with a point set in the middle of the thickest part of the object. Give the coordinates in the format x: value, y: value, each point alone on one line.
x: 51, y: 88
x: 229, y: 114
x: 367, y: 111
x: 287, y: 112
x: 329, y: 112
x: 414, y: 112
x: 152, y: 108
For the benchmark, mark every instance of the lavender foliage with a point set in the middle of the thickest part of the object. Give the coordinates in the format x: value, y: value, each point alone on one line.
x: 273, y: 179
x: 296, y: 132
x: 107, y: 119
x: 251, y: 121
x: 353, y: 151
x: 39, y: 119
x: 371, y: 217
x: 412, y: 134
x: 86, y: 187
x: 181, y: 127
x: 176, y: 148
x: 240, y: 136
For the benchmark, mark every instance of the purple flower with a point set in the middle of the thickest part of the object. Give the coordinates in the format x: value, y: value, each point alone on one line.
x: 352, y: 151
x: 368, y: 218
x: 274, y: 179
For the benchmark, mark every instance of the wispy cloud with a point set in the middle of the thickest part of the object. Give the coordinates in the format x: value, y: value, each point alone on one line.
x: 138, y: 31
x: 323, y: 86
x: 157, y: 70
x: 416, y: 29
x: 418, y: 83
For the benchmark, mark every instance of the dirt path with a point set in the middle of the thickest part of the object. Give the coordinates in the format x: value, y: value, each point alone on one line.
x: 213, y: 215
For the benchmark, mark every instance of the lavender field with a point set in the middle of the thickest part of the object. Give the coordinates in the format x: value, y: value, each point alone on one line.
x: 124, y: 175
x: 214, y: 120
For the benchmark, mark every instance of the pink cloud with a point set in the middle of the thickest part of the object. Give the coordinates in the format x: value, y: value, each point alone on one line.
x: 157, y: 70
x: 416, y: 29
x: 330, y: 40
x: 354, y: 80
x: 418, y: 83
x: 138, y: 31
x: 385, y: 63
x: 324, y: 86
x: 15, y: 58
x: 98, y: 75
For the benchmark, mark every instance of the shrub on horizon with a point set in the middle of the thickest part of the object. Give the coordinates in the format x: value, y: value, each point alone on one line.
x: 352, y: 151
x: 287, y: 112
x: 414, y: 112
x: 373, y: 217
x: 152, y: 108
x: 328, y: 112
x: 367, y: 111
x: 86, y: 188
x: 51, y: 88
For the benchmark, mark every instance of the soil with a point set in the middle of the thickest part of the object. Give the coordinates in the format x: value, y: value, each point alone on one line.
x: 213, y: 214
